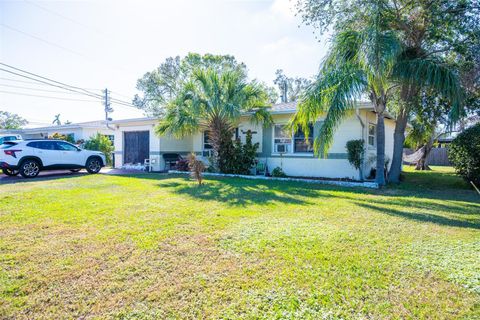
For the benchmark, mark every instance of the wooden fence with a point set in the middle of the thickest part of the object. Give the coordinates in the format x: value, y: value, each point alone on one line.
x: 437, y: 157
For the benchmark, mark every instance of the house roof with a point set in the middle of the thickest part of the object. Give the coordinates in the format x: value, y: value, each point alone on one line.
x: 291, y: 107
x: 79, y: 125
x: 280, y: 108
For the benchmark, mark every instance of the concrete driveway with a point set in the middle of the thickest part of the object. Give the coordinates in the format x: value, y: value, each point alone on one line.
x: 57, y: 174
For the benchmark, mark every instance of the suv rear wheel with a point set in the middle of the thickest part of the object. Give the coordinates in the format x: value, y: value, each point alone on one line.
x: 10, y: 172
x: 29, y: 168
x: 94, y: 165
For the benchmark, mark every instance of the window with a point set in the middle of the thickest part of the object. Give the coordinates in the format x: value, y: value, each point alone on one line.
x: 7, y: 145
x: 302, y: 143
x: 206, y: 141
x: 207, y: 146
x: 44, y: 145
x: 371, y: 134
x: 65, y: 146
x: 282, y: 139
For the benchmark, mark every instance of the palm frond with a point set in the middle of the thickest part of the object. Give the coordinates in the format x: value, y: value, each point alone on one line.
x: 334, y: 93
x: 432, y: 73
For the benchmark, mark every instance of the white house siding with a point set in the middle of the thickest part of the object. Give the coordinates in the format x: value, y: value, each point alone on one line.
x: 335, y: 165
x: 370, y: 117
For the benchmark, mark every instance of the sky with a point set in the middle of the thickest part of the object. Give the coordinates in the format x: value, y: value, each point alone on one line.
x: 110, y: 44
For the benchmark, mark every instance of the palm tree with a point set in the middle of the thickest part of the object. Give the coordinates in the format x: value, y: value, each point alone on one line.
x: 368, y: 61
x: 358, y: 64
x: 57, y: 120
x: 214, y: 101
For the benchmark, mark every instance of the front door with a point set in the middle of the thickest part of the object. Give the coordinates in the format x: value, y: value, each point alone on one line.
x: 136, y: 147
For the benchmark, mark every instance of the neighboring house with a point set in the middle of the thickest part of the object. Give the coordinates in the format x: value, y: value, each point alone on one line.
x: 78, y: 131
x: 135, y: 141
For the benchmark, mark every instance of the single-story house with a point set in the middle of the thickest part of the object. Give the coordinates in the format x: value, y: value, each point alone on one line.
x: 135, y: 140
x: 78, y: 131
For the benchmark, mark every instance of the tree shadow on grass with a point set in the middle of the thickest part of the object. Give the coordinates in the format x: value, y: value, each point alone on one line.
x: 44, y: 176
x: 421, y: 216
x: 242, y: 192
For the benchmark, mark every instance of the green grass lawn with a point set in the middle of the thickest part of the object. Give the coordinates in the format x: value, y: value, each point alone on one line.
x: 157, y: 246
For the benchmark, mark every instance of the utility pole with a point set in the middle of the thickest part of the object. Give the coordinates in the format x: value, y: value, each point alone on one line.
x: 106, y: 104
x: 108, y: 108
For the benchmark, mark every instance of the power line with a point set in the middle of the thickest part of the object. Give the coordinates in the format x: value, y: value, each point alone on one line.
x: 37, y: 83
x: 50, y: 84
x: 21, y: 81
x: 43, y: 40
x: 62, y: 16
x: 37, y: 89
x: 121, y: 95
x: 48, y: 79
x: 60, y: 85
x: 49, y: 97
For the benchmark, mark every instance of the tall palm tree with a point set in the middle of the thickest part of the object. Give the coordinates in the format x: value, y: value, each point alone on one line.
x: 214, y: 102
x: 358, y: 64
x: 369, y: 61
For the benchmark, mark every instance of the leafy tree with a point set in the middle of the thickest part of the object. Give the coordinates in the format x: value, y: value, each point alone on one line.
x: 271, y: 92
x: 162, y: 85
x: 214, y: 101
x: 464, y: 153
x: 429, y: 30
x: 102, y: 143
x: 290, y: 88
x: 11, y: 120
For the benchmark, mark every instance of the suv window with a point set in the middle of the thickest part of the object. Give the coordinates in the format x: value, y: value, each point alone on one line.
x: 7, y: 145
x: 44, y: 145
x: 65, y: 146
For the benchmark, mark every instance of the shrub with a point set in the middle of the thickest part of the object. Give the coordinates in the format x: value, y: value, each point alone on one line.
x: 464, y: 154
x: 355, y: 151
x: 196, y: 168
x: 278, y: 173
x: 240, y: 158
x: 64, y: 137
x: 100, y: 142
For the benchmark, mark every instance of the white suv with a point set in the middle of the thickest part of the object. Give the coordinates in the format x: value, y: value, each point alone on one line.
x: 29, y: 157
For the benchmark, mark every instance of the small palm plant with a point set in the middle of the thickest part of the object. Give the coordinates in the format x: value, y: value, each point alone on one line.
x: 213, y: 101
x: 196, y: 168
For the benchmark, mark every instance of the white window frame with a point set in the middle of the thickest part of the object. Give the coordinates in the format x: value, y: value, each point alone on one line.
x: 287, y: 144
x: 374, y: 135
x: 291, y: 145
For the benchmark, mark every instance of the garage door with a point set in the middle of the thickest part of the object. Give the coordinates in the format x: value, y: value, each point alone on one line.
x: 136, y: 146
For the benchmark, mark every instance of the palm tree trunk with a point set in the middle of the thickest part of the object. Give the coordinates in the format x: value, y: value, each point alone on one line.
x: 408, y: 95
x: 380, y: 137
x: 221, y: 139
x: 398, y: 141
x: 422, y: 163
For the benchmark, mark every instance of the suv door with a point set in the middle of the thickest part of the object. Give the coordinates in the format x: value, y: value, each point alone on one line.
x: 70, y: 155
x: 47, y: 152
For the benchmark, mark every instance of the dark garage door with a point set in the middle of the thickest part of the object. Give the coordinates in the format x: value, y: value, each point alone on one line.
x: 136, y: 146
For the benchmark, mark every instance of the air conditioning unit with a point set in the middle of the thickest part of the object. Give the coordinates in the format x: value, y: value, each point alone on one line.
x: 282, y: 147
